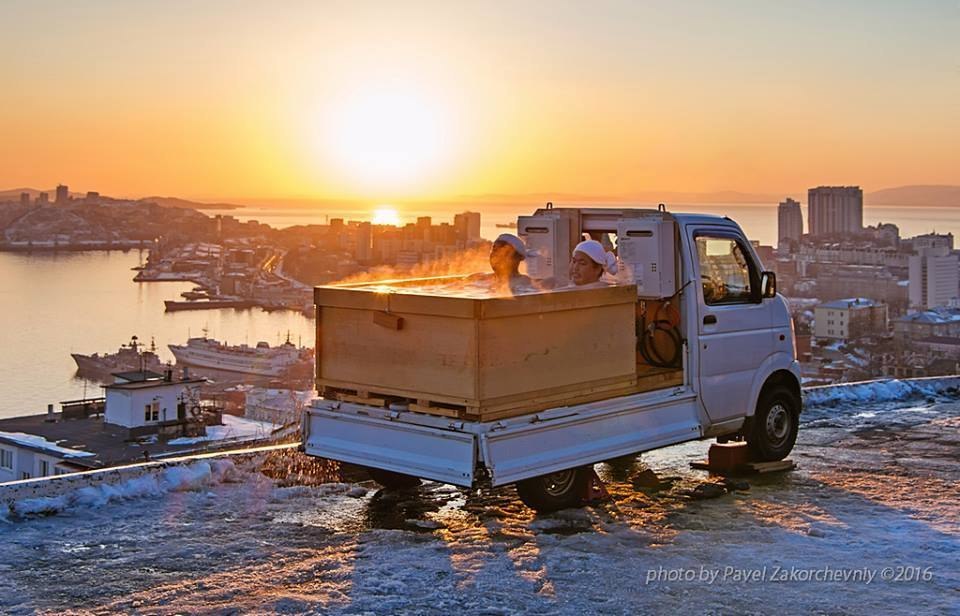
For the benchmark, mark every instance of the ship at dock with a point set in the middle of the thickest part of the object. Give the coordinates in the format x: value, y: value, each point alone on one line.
x: 205, y: 304
x: 260, y: 360
x: 130, y: 357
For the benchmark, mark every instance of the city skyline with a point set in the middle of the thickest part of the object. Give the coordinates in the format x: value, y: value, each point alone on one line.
x: 241, y: 102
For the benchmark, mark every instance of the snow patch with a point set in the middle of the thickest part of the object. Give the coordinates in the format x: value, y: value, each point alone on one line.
x: 38, y: 442
x: 172, y: 479
x: 888, y: 390
x: 233, y: 428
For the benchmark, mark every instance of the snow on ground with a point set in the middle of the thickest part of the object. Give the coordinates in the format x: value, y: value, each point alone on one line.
x: 875, y: 502
x: 233, y: 428
x: 38, y: 442
x: 171, y: 479
x: 889, y: 390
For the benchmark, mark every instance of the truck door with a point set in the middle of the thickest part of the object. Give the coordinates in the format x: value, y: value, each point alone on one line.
x: 734, y: 322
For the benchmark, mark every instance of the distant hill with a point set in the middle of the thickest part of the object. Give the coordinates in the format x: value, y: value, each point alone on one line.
x: 930, y: 196
x: 184, y: 203
x: 13, y: 194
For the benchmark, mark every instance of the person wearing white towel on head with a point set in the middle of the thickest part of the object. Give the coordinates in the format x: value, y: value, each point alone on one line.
x: 589, y: 262
x: 506, y: 254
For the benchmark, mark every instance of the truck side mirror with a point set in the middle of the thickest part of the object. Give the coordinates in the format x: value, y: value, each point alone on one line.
x: 768, y: 284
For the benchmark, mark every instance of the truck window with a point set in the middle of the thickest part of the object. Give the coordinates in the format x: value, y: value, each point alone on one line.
x: 726, y: 273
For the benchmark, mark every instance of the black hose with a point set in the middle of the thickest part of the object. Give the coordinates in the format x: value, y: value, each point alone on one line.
x: 646, y: 342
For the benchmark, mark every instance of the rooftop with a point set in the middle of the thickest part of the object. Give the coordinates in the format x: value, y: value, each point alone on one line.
x: 137, y: 375
x: 934, y: 315
x: 93, y: 443
x: 147, y: 384
x: 852, y: 302
x: 42, y: 445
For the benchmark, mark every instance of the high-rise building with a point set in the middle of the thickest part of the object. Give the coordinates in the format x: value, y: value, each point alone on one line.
x: 934, y: 277
x: 63, y: 195
x: 43, y: 199
x: 444, y: 234
x: 835, y: 210
x: 25, y: 199
x: 364, y: 242
x: 423, y: 228
x: 789, y: 223
x: 467, y: 226
x: 932, y: 240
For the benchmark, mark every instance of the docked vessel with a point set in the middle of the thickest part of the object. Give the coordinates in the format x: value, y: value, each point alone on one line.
x: 200, y: 304
x: 130, y: 357
x: 259, y: 360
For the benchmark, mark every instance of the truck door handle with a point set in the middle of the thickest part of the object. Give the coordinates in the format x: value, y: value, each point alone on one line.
x: 710, y: 319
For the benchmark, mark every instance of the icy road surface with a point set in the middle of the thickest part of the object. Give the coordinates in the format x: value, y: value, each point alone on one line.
x: 875, y: 500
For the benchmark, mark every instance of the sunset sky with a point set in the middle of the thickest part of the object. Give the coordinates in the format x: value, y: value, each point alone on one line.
x: 405, y: 101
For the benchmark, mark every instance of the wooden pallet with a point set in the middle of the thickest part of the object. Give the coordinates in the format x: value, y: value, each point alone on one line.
x: 436, y: 408
x: 357, y: 397
x: 651, y: 379
x: 767, y: 467
x: 750, y: 468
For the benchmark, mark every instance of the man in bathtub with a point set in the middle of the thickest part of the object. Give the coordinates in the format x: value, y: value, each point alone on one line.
x: 506, y: 255
x: 589, y: 262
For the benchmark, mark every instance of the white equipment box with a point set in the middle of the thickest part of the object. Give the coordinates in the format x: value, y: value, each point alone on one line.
x: 646, y: 255
x: 548, y: 241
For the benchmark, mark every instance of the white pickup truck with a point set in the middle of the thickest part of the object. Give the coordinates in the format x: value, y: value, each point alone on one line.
x: 733, y: 355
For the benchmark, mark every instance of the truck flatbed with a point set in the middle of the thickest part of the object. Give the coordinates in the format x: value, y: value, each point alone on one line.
x: 504, y: 451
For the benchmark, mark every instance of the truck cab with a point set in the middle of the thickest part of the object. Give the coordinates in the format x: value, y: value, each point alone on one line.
x: 715, y: 357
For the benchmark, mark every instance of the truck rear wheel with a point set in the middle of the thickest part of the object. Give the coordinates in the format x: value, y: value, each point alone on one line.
x: 392, y: 480
x: 560, y: 490
x: 775, y: 425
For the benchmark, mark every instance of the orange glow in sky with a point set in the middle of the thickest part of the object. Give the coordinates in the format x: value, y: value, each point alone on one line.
x: 394, y: 102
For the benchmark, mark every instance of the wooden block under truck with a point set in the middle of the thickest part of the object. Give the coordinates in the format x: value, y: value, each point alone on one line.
x: 691, y: 342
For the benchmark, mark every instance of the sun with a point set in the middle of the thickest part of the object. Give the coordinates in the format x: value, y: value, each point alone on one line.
x: 386, y: 216
x: 386, y: 138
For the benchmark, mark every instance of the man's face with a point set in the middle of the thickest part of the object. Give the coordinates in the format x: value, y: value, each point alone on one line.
x: 503, y: 258
x: 584, y: 270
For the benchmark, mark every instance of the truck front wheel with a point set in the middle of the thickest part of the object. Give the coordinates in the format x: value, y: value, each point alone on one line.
x: 392, y: 480
x: 560, y: 490
x: 775, y: 424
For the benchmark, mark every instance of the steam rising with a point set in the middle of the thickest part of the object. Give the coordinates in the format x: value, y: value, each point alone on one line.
x: 464, y: 274
x: 463, y: 263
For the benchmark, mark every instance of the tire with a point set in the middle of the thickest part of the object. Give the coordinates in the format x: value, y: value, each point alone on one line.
x: 556, y: 491
x: 773, y: 432
x: 391, y: 480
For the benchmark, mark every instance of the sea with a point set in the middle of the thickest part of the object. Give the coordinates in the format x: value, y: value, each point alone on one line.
x: 54, y: 304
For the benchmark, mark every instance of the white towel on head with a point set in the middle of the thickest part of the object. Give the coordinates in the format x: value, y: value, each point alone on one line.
x: 597, y: 254
x: 515, y: 242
